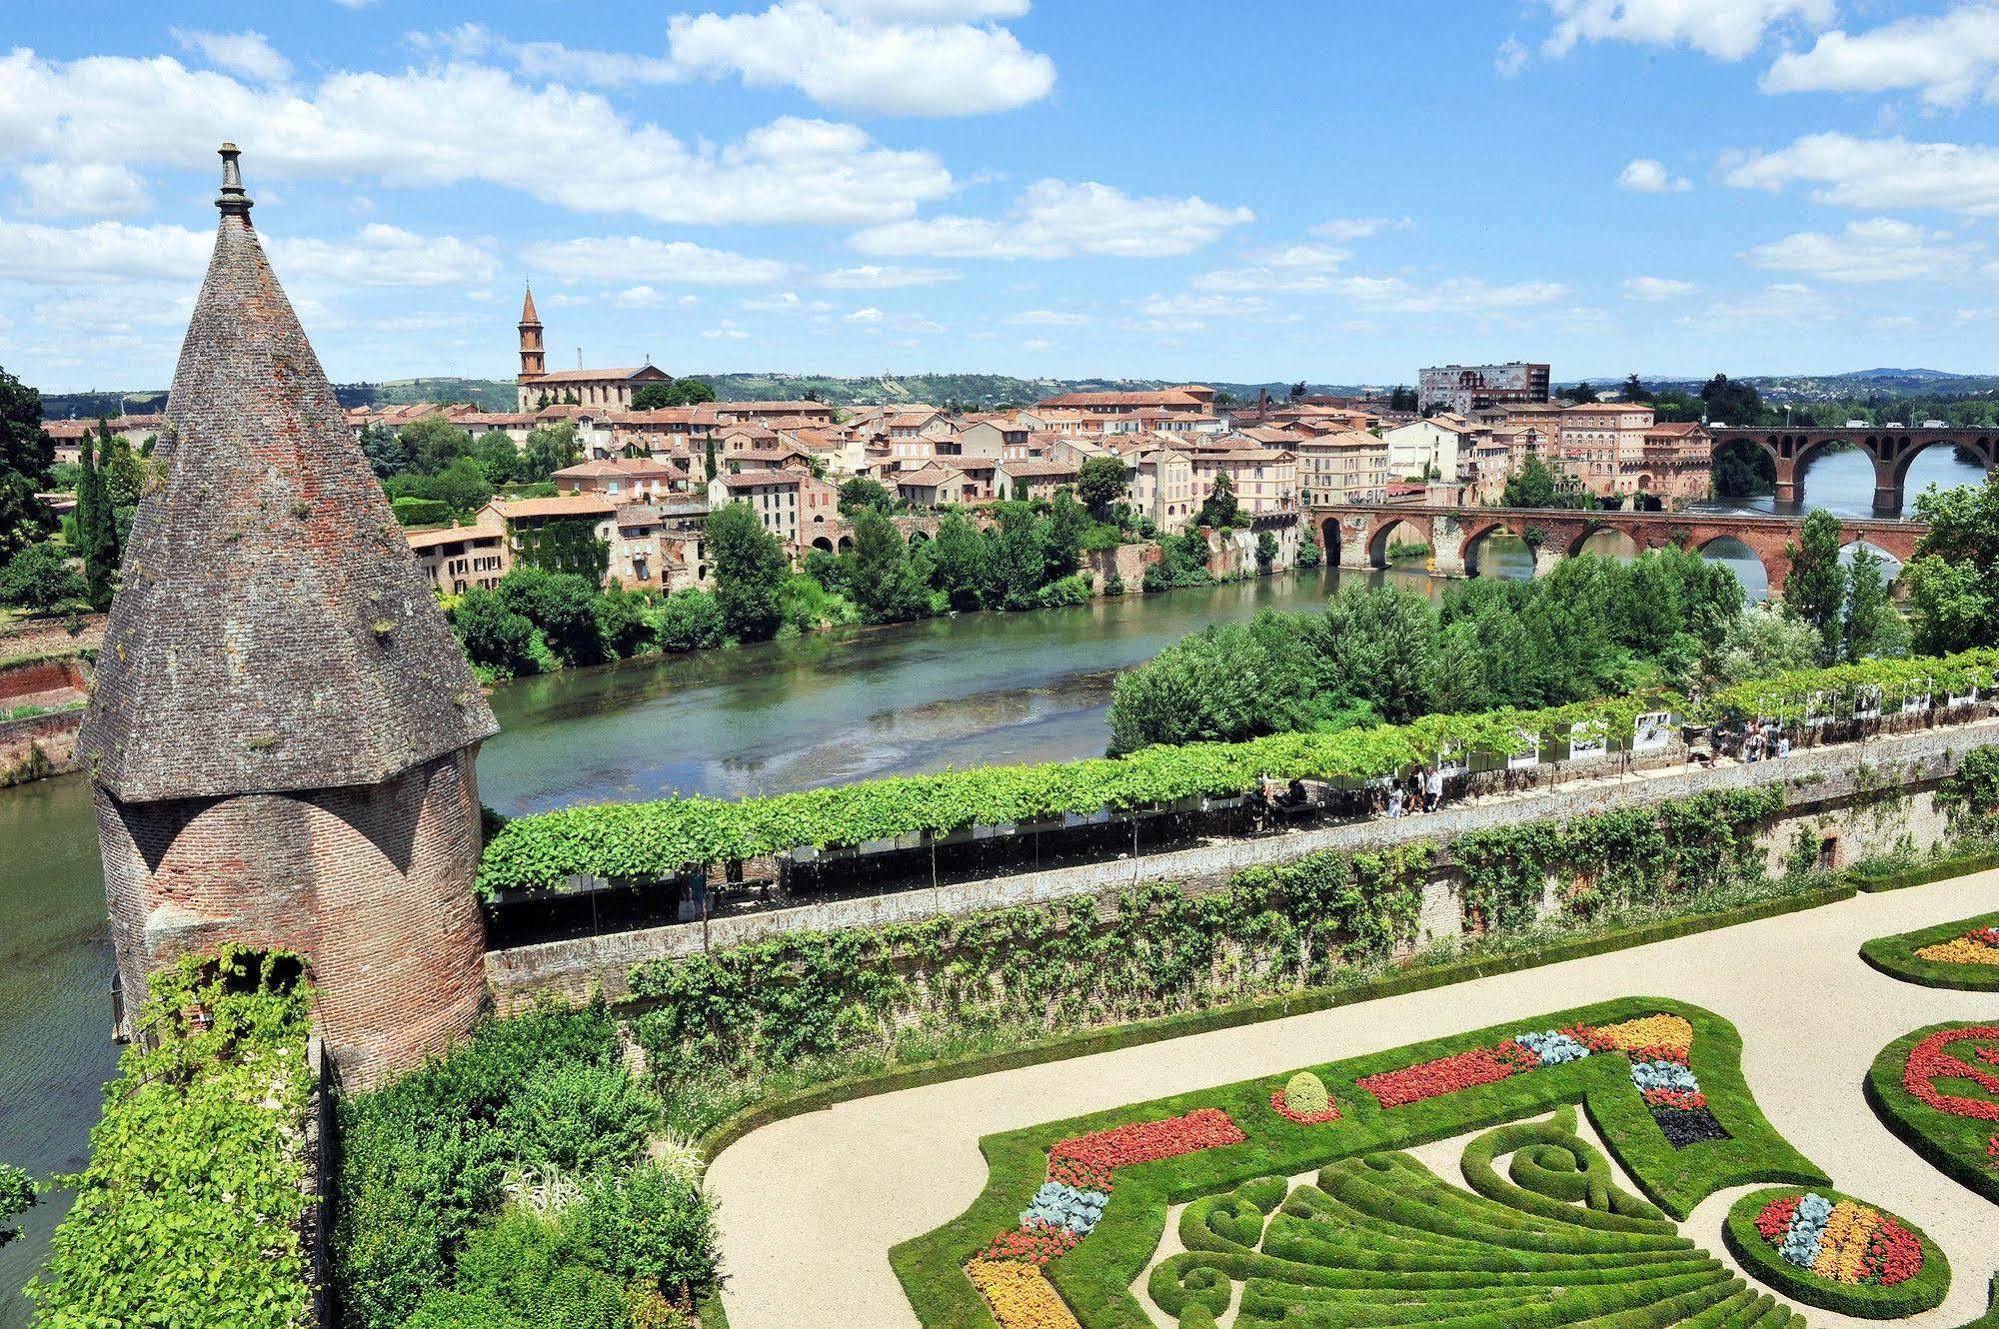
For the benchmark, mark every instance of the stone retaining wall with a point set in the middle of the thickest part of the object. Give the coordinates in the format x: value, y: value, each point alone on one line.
x: 38, y: 746
x: 1866, y: 798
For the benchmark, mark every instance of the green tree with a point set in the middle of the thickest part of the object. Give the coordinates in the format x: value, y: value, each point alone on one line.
x: 1062, y: 539
x: 690, y: 620
x: 958, y: 562
x: 749, y: 566
x: 40, y: 580
x: 1731, y: 402
x: 462, y: 486
x: 383, y: 448
x: 1402, y: 398
x: 680, y: 392
x: 1220, y: 508
x: 17, y: 1196
x: 1016, y: 551
x: 433, y: 443
x: 26, y: 453
x: 563, y: 606
x: 495, y: 636
x: 708, y: 457
x: 1761, y: 643
x: 885, y: 586
x: 1956, y: 567
x: 1815, y: 590
x: 1869, y: 626
x: 625, y: 622
x: 1533, y: 486
x: 549, y: 448
x: 1744, y: 470
x: 1635, y: 390
x: 863, y: 493
x: 1582, y: 394
x: 1100, y: 484
x: 1266, y: 550
x: 498, y: 457
x: 97, y: 527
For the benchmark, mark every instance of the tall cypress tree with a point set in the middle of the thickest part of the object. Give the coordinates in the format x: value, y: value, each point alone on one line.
x: 96, y: 524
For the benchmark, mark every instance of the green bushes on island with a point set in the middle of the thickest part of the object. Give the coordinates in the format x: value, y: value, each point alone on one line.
x: 193, y: 1209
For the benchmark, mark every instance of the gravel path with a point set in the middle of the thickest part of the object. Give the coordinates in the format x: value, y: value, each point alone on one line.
x: 811, y: 1205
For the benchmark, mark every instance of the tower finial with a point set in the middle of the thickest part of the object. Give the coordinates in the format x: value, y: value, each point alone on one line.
x: 233, y: 202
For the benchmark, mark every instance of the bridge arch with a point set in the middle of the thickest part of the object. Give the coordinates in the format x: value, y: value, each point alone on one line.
x: 1474, y: 535
x: 1728, y: 548
x: 1892, y: 478
x: 1330, y: 537
x: 1392, y: 526
x: 823, y: 545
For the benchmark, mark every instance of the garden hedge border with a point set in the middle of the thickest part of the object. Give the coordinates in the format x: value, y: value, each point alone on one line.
x: 1954, y: 1146
x: 1924, y: 1292
x: 1098, y: 1275
x: 1873, y: 879
x: 1896, y: 957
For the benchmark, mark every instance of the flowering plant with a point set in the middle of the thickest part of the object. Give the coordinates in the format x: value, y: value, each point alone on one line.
x: 1020, y: 1295
x: 1845, y: 1242
x: 1447, y: 1075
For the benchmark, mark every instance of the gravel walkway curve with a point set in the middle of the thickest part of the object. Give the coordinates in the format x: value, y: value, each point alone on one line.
x: 811, y: 1205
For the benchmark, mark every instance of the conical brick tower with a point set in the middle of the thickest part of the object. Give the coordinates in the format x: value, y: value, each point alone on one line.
x: 283, y: 729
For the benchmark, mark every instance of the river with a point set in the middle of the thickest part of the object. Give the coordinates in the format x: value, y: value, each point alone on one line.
x: 952, y: 692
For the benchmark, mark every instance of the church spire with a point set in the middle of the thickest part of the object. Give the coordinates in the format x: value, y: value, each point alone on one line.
x: 529, y: 319
x: 534, y: 362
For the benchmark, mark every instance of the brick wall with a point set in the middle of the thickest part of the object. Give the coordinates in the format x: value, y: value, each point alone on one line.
x: 373, y: 883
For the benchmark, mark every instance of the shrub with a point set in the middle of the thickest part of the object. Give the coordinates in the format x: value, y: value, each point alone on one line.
x: 201, y: 1134
x: 40, y: 580
x: 1070, y: 590
x: 412, y: 511
x: 1305, y: 1094
x: 17, y: 1196
x: 690, y: 621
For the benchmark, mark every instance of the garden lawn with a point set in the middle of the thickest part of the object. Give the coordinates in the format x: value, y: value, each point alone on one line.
x: 1958, y: 1138
x: 1095, y: 1278
x: 1949, y: 955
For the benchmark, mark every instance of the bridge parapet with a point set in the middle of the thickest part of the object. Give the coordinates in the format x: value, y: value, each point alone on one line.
x: 1890, y: 451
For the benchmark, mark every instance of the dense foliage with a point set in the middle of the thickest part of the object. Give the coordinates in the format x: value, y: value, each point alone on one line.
x: 17, y: 1196
x: 192, y: 1210
x: 1845, y: 603
x: 680, y: 392
x: 40, y: 579
x: 538, y: 1107
x: 640, y: 841
x: 1591, y: 626
x: 26, y: 453
x: 1953, y: 581
x: 750, y: 567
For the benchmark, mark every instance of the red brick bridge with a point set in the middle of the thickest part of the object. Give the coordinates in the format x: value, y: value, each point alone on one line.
x: 1890, y: 450
x: 1358, y: 536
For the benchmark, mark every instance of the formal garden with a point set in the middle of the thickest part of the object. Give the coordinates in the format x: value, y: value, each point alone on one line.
x: 1294, y: 1199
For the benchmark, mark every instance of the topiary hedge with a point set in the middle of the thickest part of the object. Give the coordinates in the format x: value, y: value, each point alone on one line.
x: 1095, y: 1278
x: 1959, y: 1132
x: 1869, y: 1300
x: 1957, y: 958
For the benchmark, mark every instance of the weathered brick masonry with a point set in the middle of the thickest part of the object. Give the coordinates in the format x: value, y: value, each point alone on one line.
x: 283, y: 731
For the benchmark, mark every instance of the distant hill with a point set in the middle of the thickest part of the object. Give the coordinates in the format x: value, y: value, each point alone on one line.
x: 978, y: 392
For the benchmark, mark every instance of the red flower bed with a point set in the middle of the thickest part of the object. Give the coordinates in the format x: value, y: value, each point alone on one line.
x: 1034, y: 1242
x: 1678, y: 1056
x: 1986, y: 936
x: 1094, y: 1156
x: 1332, y: 1113
x: 1413, y: 1084
x: 1893, y: 1254
x: 1684, y: 1099
x: 1928, y: 1063
x: 1775, y: 1220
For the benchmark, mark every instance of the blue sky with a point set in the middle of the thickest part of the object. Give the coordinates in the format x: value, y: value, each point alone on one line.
x: 1334, y: 191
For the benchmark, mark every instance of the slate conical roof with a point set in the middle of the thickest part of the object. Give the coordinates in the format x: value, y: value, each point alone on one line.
x: 273, y: 631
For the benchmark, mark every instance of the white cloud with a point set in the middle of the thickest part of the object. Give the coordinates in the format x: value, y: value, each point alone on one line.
x: 885, y: 277
x: 1464, y: 295
x: 866, y: 58
x: 728, y: 331
x: 1878, y: 173
x: 1783, y: 302
x: 1304, y: 256
x: 1054, y: 219
x: 613, y: 258
x: 108, y: 252
x: 1647, y: 175
x: 1341, y: 230
x: 381, y: 255
x: 785, y: 302
x: 83, y: 189
x: 568, y: 148
x: 1876, y: 250
x: 1657, y: 289
x: 650, y: 297
x: 1725, y: 29
x: 1510, y: 58
x: 893, y: 59
x: 1949, y: 58
x: 868, y: 315
x: 1047, y: 318
x: 1173, y: 307
x: 247, y: 53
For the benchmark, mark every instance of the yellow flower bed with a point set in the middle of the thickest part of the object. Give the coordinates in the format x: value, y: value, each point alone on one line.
x: 1020, y: 1296
x: 1653, y: 1031
x: 1843, y: 1248
x: 1960, y: 950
